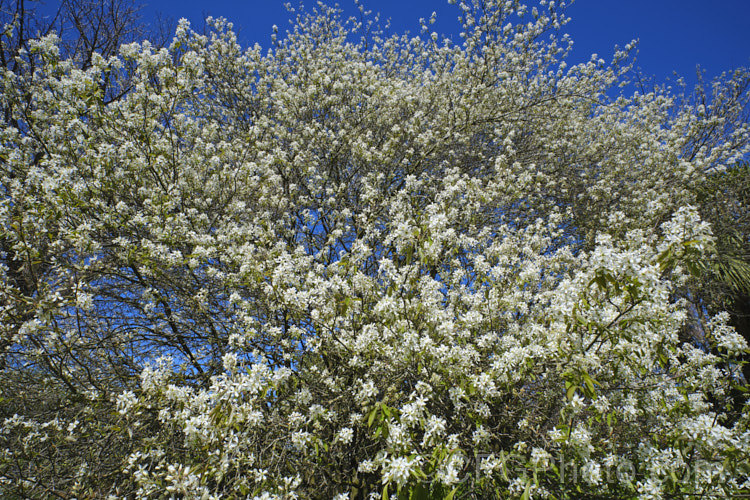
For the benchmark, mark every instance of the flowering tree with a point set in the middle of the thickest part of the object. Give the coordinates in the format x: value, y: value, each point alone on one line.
x: 359, y: 266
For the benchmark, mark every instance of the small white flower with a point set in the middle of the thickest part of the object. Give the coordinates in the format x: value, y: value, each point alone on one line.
x: 540, y: 457
x: 398, y: 470
x: 591, y: 472
x: 367, y: 466
x: 345, y: 435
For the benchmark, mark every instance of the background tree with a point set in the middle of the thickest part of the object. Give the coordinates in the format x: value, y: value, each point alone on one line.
x: 47, y: 381
x: 726, y: 285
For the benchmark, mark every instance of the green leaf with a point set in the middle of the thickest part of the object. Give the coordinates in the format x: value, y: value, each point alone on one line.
x: 419, y: 492
x: 601, y: 280
x: 571, y: 390
x: 609, y: 419
x: 527, y: 492
x: 589, y: 384
x: 386, y: 410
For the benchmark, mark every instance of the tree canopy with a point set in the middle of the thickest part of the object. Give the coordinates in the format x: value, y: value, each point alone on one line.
x: 359, y: 265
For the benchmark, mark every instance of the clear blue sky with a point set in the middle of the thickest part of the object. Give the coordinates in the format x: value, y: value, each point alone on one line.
x: 675, y: 35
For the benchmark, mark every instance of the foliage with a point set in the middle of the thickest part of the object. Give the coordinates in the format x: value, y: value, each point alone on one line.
x: 363, y: 266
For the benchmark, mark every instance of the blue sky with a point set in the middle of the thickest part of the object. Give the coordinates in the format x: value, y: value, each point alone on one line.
x: 675, y: 35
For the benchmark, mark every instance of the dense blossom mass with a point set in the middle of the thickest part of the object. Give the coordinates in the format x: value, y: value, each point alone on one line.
x: 357, y: 265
